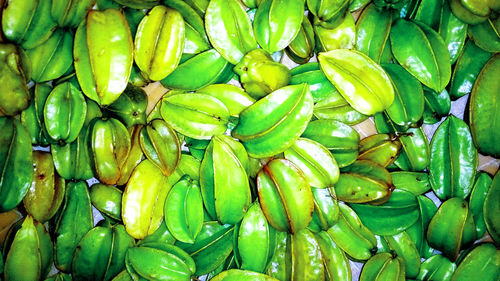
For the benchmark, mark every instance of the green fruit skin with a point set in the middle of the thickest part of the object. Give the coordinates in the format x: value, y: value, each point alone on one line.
x: 274, y: 123
x: 209, y: 67
x: 484, y: 111
x: 260, y: 74
x: 437, y: 267
x: 339, y: 138
x: 16, y: 163
x: 107, y: 199
x: 451, y: 227
x: 53, y: 58
x: 212, y: 246
x: 429, y: 62
x: 109, y: 143
x: 100, y: 80
x: 274, y: 32
x: 14, y: 73
x: 159, y: 42
x: 32, y: 117
x: 372, y: 29
x: 47, y: 190
x: 482, y: 262
x: 64, y: 113
x: 130, y: 107
x: 256, y: 240
x: 27, y: 23
x: 490, y: 208
x: 100, y: 254
x: 69, y: 13
x: 301, y: 49
x: 72, y: 224
x: 468, y: 66
x: 183, y: 210
x: 285, y: 196
x: 453, y: 160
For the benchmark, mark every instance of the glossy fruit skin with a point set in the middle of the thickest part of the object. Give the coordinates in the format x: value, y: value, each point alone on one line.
x: 491, y: 207
x: 485, y: 35
x: 273, y: 123
x: 437, y: 267
x: 301, y: 49
x: 297, y: 257
x: 274, y: 32
x: 64, y: 113
x: 15, y: 72
x: 408, y: 106
x: 47, y: 190
x: 240, y: 275
x: 156, y: 260
x: 183, y: 210
x: 16, y: 163
x: 285, y: 196
x: 429, y: 62
x: 349, y: 233
x: 327, y: 12
x: 130, y: 107
x: 453, y: 31
x: 29, y: 252
x: 53, y: 58
x: 364, y: 181
x: 467, y: 68
x: 416, y: 151
x: 451, y: 227
x: 383, y: 266
x: 342, y: 67
x: 196, y: 39
x: 237, y: 37
x: 27, y: 23
x: 212, y: 246
x: 101, y: 80
x: 143, y: 200
x: 338, y: 36
x: 233, y: 97
x: 405, y: 248
x: 107, y: 199
x: 70, y: 14
x: 159, y: 42
x: 224, y: 181
x: 316, y: 161
x: 453, y: 160
x: 160, y: 144
x: 260, y: 74
x: 402, y: 207
x: 256, y: 240
x: 311, y: 73
x: 382, y: 149
x: 73, y: 161
x: 482, y: 183
x: 339, y: 138
x: 32, y: 117
x: 326, y: 209
x: 103, y: 135
x: 334, y: 259
x: 417, y: 232
x: 195, y: 115
x: 437, y: 105
x: 484, y: 256
x: 373, y: 28
x: 100, y: 254
x: 72, y: 224
x: 209, y: 66
x: 484, y: 112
